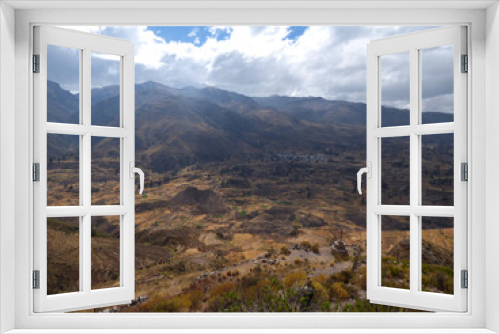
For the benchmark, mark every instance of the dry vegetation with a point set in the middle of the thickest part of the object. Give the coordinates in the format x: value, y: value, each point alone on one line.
x: 256, y: 237
x: 250, y: 204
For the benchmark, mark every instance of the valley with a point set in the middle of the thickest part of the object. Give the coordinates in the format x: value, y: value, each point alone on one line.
x: 250, y: 204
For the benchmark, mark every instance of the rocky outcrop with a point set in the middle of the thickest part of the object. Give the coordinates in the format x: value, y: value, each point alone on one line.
x: 431, y: 253
x: 203, y: 201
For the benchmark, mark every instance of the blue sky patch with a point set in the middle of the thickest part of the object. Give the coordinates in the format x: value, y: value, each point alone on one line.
x: 295, y: 32
x: 196, y: 35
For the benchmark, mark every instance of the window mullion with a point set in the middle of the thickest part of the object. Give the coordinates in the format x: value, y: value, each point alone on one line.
x: 81, y: 182
x: 414, y: 170
x: 86, y: 159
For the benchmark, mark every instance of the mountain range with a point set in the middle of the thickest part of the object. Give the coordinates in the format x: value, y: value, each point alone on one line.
x: 179, y: 127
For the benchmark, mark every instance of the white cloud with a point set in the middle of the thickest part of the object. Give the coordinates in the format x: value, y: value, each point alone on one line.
x: 439, y: 103
x: 149, y: 48
x: 260, y: 61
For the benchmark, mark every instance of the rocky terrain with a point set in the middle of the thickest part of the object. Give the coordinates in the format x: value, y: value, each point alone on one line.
x: 250, y: 204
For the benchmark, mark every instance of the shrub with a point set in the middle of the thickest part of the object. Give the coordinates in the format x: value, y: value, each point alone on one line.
x: 297, y: 278
x: 270, y: 253
x: 221, y: 289
x: 344, y: 276
x: 176, y: 304
x: 339, y: 292
x: 306, y: 245
x: 228, y: 302
x: 436, y: 277
x: 364, y: 305
x: 321, y: 291
x: 326, y: 307
x: 196, y: 297
x: 249, y: 281
x: 285, y: 251
x: 360, y: 278
x: 315, y: 248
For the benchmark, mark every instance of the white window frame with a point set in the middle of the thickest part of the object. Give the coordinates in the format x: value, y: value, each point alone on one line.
x: 483, y: 101
x: 412, y: 44
x: 85, y: 43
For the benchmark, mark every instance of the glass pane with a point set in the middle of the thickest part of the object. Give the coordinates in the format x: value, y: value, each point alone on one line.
x: 105, y: 98
x: 395, y: 252
x: 105, y: 171
x: 63, y: 255
x: 437, y: 254
x: 395, y: 89
x: 437, y: 84
x: 105, y: 252
x: 396, y: 171
x: 63, y: 167
x: 437, y: 170
x: 63, y: 84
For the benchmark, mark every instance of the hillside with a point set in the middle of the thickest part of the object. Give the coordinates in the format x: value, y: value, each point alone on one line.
x: 243, y: 193
x: 178, y: 127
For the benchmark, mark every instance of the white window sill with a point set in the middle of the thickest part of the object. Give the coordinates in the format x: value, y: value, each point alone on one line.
x: 251, y: 331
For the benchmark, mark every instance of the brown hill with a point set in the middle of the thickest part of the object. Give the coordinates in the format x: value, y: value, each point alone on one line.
x: 431, y: 253
x: 204, y: 201
x: 176, y: 128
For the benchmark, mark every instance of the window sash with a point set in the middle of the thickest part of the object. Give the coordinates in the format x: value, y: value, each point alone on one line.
x: 86, y: 297
x: 413, y: 298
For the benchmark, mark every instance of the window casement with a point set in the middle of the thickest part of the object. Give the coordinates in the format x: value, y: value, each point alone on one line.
x: 83, y: 132
x: 475, y: 320
x: 413, y: 209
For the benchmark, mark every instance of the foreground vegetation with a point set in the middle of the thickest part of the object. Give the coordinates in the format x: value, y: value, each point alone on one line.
x: 248, y: 208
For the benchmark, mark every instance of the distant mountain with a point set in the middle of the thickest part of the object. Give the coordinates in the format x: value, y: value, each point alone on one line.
x: 103, y: 93
x: 319, y: 110
x: 180, y: 130
x: 221, y: 97
x: 62, y: 106
x: 179, y: 127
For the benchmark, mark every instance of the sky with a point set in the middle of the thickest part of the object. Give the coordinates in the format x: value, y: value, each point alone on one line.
x: 325, y: 61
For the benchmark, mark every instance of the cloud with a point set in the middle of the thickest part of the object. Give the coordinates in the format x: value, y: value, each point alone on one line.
x: 193, y: 32
x: 261, y: 61
x: 438, y: 103
x: 63, y: 66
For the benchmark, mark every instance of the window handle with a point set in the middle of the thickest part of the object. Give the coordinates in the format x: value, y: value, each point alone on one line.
x: 368, y: 171
x: 133, y: 171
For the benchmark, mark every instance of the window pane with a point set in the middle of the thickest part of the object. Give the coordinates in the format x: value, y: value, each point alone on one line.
x: 395, y: 252
x: 437, y: 84
x: 105, y: 252
x: 396, y: 170
x: 105, y: 89
x: 395, y: 87
x: 437, y: 169
x: 437, y: 254
x: 63, y: 86
x: 63, y: 255
x: 63, y: 167
x: 105, y: 171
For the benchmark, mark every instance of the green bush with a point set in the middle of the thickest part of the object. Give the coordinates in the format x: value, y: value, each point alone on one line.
x: 176, y: 304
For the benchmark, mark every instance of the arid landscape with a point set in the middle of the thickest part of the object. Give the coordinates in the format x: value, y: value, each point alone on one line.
x: 250, y: 204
